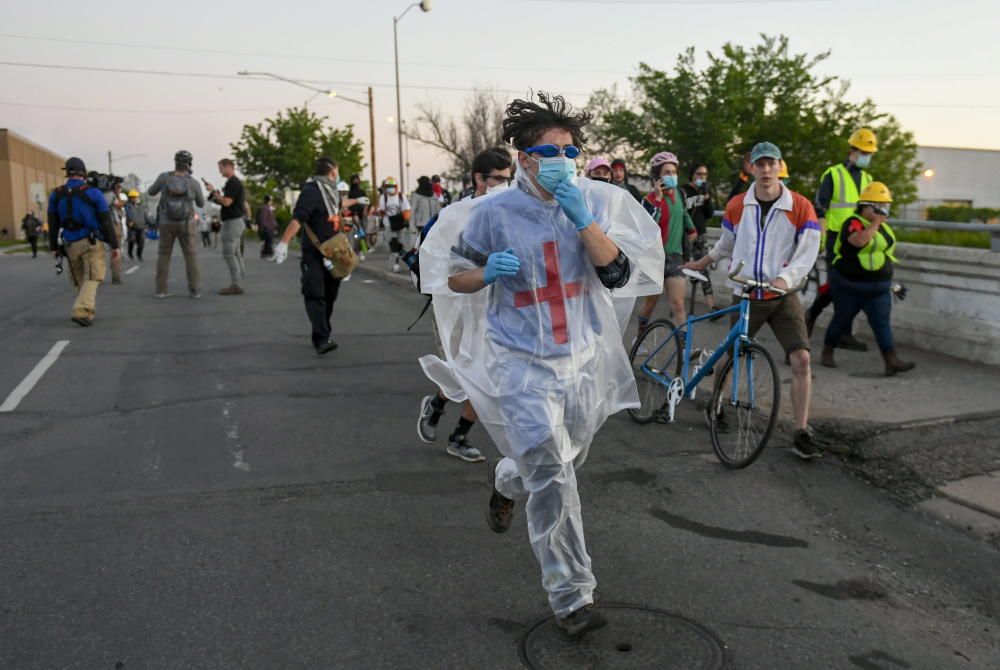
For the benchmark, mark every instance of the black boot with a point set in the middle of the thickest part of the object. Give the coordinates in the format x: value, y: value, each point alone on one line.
x: 826, y: 358
x: 893, y: 365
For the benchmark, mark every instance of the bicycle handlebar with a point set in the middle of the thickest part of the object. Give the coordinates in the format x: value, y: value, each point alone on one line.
x: 751, y: 284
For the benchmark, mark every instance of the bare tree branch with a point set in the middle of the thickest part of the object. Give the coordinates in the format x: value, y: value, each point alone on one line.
x: 479, y: 128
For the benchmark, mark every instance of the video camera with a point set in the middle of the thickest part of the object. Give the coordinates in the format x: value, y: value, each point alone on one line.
x: 103, y: 182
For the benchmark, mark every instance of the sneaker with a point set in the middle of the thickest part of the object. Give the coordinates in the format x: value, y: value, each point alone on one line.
x: 163, y: 295
x: 643, y: 350
x: 395, y: 267
x: 326, y: 347
x: 500, y: 512
x: 803, y: 445
x: 83, y: 321
x: 851, y: 343
x: 426, y: 431
x: 461, y: 449
x: 231, y: 290
x: 583, y: 620
x: 195, y: 294
x: 347, y: 278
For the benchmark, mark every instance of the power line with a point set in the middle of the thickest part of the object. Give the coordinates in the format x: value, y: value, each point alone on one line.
x: 258, y: 54
x: 203, y: 75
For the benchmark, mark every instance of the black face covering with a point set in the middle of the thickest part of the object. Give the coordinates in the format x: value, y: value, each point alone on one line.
x: 606, y: 180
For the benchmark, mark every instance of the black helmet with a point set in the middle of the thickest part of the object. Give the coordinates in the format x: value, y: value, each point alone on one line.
x: 183, y: 158
x: 75, y: 166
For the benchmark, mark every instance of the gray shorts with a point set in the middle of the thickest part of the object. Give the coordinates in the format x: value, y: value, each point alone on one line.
x: 672, y: 265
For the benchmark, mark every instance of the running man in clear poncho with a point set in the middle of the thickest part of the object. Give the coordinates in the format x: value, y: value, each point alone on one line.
x: 530, y: 287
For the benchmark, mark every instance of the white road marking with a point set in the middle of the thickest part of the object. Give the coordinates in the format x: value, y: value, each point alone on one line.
x: 367, y: 281
x: 132, y: 269
x: 24, y: 388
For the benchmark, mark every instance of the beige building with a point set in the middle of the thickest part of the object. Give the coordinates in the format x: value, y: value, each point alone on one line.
x: 28, y: 173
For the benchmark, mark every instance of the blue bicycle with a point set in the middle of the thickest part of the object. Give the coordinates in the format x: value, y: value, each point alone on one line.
x: 746, y: 395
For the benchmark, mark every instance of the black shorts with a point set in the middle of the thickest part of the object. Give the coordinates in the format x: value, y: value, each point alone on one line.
x: 397, y: 223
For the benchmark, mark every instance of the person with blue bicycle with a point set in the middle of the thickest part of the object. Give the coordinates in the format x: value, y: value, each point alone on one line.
x: 774, y: 235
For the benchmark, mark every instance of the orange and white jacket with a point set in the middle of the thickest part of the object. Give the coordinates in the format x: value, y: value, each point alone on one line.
x: 783, y: 245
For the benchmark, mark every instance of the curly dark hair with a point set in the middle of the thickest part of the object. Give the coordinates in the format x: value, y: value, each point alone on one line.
x: 526, y: 121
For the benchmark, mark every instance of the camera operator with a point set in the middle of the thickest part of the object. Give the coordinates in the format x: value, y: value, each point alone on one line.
x: 79, y: 221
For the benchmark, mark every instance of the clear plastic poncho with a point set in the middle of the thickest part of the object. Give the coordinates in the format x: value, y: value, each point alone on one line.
x: 539, y: 354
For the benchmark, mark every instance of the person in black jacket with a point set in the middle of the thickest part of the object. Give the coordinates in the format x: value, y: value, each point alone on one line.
x: 698, y: 202
x: 318, y: 208
x: 619, y: 177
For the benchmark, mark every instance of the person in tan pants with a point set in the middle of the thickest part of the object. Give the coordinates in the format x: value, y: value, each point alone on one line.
x: 179, y: 193
x: 79, y: 224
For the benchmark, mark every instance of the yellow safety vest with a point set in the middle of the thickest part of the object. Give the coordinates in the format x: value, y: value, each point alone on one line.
x: 845, y: 196
x: 872, y: 256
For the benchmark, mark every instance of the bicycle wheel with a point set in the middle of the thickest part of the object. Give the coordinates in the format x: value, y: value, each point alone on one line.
x: 659, y: 349
x: 741, y: 415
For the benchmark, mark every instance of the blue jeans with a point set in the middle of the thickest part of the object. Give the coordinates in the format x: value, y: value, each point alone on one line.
x: 851, y: 297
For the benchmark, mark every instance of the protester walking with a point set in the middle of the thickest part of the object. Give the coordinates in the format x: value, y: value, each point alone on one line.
x: 772, y: 233
x: 491, y: 170
x: 116, y: 205
x: 861, y: 276
x: 395, y: 211
x: 267, y: 228
x: 232, y: 199
x: 135, y: 220
x: 79, y: 225
x: 32, y: 227
x: 619, y: 177
x: 665, y: 203
x: 542, y: 377
x: 175, y: 213
x: 315, y: 213
x: 698, y: 202
x: 425, y: 204
x: 840, y: 188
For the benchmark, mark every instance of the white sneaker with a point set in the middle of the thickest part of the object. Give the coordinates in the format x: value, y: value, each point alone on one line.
x: 395, y: 267
x: 347, y: 278
x: 643, y: 349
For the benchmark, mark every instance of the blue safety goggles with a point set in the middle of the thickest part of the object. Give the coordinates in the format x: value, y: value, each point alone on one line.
x: 551, y: 151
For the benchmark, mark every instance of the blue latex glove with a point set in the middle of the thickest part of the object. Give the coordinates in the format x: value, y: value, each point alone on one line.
x: 501, y: 264
x: 570, y: 198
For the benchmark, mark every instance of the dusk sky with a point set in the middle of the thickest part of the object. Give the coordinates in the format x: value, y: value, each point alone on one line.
x: 934, y: 65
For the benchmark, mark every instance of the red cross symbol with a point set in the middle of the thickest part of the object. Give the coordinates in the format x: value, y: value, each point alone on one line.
x: 552, y: 293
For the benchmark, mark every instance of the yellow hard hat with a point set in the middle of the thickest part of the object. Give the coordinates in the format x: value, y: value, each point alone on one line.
x: 863, y: 139
x: 876, y: 192
x: 133, y: 193
x: 783, y: 174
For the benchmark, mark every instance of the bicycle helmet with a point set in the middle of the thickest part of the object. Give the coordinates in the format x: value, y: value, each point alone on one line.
x: 663, y: 157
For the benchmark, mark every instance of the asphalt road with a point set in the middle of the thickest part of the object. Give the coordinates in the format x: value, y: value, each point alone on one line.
x: 189, y: 486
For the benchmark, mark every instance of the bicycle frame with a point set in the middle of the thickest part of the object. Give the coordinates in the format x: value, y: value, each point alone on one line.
x: 736, y: 335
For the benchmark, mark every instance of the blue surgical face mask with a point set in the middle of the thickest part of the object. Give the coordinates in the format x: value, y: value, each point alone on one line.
x: 552, y: 171
x: 699, y: 182
x: 669, y: 181
x: 863, y: 161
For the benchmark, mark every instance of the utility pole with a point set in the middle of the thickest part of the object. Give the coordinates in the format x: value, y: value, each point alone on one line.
x: 371, y: 127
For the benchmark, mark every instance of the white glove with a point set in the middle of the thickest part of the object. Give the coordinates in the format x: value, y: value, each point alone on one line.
x: 363, y: 200
x: 280, y: 252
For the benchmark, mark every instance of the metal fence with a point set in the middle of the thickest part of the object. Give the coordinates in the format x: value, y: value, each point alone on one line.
x: 992, y: 229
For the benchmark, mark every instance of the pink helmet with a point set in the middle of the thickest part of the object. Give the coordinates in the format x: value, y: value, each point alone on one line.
x: 663, y: 157
x: 596, y: 163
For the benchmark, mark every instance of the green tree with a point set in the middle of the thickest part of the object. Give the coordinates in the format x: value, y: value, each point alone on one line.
x: 278, y: 154
x: 743, y: 96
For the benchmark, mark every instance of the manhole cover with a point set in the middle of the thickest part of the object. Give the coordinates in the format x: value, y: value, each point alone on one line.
x: 635, y: 637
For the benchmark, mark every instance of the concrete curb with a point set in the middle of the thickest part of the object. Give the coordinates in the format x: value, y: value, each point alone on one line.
x: 400, y: 278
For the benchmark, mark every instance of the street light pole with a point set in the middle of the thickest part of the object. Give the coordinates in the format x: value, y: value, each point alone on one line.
x: 425, y: 6
x: 333, y: 94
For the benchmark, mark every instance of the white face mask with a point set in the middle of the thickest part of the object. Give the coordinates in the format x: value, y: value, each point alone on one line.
x: 502, y: 186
